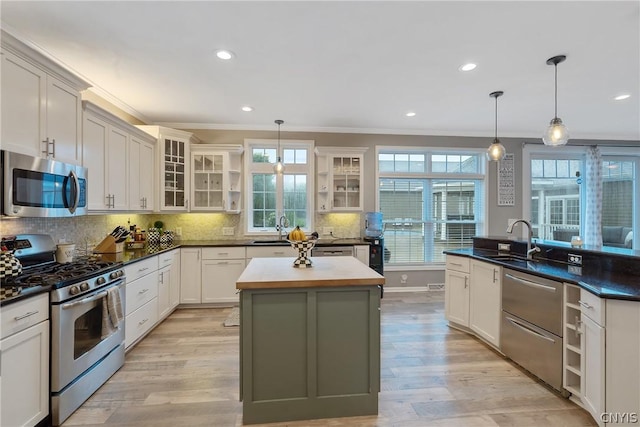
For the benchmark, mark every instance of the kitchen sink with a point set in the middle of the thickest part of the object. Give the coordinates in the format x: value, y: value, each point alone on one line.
x: 271, y: 242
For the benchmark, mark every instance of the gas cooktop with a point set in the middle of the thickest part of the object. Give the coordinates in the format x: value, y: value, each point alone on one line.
x: 60, y: 275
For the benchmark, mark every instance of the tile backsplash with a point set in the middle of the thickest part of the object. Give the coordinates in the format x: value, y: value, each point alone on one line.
x: 87, y: 231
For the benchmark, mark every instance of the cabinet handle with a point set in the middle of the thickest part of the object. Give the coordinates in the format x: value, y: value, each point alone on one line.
x: 585, y: 304
x: 140, y: 270
x: 456, y: 264
x: 223, y: 262
x: 31, y: 313
x: 142, y: 203
x: 466, y: 280
x: 113, y: 200
x: 53, y: 152
x: 142, y: 322
x: 278, y: 253
x: 494, y: 275
x: 144, y: 291
x: 45, y: 151
x: 223, y: 253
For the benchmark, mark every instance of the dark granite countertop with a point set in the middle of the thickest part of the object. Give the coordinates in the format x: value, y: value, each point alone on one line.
x: 7, y: 295
x: 605, y: 283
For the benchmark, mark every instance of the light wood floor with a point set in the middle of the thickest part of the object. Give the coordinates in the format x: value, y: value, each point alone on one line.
x: 185, y: 373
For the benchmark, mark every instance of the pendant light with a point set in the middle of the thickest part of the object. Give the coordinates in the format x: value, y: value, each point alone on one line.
x: 279, y: 166
x: 496, y: 150
x: 557, y: 133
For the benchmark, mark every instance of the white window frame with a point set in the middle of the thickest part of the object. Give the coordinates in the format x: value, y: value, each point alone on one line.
x: 250, y: 168
x: 541, y: 151
x: 482, y: 175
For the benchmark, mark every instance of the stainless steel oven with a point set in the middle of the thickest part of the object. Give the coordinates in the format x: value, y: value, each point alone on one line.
x: 85, y: 351
x: 37, y: 187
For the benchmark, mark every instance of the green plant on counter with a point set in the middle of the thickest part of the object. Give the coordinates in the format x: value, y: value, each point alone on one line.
x: 159, y: 225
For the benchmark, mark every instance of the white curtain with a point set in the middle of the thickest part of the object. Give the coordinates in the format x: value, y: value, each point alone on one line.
x: 593, y: 211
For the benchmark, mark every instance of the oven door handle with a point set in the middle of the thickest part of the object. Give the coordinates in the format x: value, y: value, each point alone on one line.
x: 87, y: 300
x: 95, y: 297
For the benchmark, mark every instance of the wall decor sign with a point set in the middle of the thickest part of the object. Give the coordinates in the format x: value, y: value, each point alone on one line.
x: 506, y: 181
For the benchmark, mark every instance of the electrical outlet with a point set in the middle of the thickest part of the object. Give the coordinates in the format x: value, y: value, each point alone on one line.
x: 228, y: 231
x: 575, y: 269
x: 327, y: 231
x: 178, y: 231
x: 575, y: 259
x: 504, y: 247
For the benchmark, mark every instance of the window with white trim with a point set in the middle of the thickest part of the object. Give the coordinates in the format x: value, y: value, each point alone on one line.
x: 554, y: 188
x: 431, y: 200
x: 269, y: 195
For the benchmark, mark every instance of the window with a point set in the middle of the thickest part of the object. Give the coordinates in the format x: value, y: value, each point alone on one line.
x: 555, y: 188
x: 431, y: 200
x: 268, y: 195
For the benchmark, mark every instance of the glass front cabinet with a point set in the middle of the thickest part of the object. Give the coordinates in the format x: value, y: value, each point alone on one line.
x: 340, y: 179
x: 173, y: 149
x: 215, y: 179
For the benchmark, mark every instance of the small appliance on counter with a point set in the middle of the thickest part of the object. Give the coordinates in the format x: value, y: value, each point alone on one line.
x: 373, y: 234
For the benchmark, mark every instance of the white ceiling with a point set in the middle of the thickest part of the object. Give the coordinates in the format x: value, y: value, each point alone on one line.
x: 352, y: 66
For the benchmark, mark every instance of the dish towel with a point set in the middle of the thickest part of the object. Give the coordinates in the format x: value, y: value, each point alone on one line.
x: 111, y: 312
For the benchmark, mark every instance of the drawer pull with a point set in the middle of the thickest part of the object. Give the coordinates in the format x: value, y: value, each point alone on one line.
x: 585, y: 304
x: 142, y: 322
x: 144, y: 291
x: 223, y: 253
x: 457, y: 264
x: 31, y: 313
x: 278, y: 253
x: 530, y: 283
x: 140, y: 270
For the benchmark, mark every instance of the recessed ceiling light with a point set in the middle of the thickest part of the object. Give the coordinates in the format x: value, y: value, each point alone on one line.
x: 622, y: 97
x: 410, y: 114
x: 247, y: 108
x: 224, y: 54
x: 467, y: 67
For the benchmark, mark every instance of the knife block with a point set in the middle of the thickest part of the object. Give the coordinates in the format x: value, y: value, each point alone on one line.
x: 109, y: 246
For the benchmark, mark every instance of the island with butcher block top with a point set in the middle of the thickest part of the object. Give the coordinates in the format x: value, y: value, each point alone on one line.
x: 309, y: 339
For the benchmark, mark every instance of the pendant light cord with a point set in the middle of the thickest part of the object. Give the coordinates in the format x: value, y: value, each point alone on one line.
x: 555, y: 66
x: 496, y: 137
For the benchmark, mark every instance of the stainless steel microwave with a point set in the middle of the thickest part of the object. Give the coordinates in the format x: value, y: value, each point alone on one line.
x: 37, y: 187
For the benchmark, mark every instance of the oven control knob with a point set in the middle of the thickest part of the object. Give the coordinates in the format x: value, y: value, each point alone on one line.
x: 114, y: 275
x: 100, y: 281
x: 120, y: 273
x: 74, y: 290
x: 84, y: 286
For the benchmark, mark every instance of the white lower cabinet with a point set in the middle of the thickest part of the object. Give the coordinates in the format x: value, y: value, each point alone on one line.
x: 221, y: 267
x: 456, y: 290
x: 190, y: 276
x: 24, y: 343
x: 485, y: 300
x: 141, y: 299
x: 593, y: 367
x: 168, y: 282
x: 622, y: 362
x: 362, y: 253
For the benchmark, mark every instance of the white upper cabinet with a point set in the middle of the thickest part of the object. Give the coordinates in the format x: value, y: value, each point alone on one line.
x: 41, y: 104
x: 172, y: 194
x: 120, y: 159
x: 340, y: 179
x: 215, y: 177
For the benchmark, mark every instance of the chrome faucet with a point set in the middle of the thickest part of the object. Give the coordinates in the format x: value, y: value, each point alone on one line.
x: 530, y: 250
x: 283, y: 223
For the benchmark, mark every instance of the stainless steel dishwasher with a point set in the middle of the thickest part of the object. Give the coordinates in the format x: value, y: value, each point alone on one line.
x: 332, y: 251
x: 531, y: 332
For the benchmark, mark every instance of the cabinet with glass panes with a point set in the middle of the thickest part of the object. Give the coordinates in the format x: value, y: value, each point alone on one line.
x: 174, y: 167
x: 215, y: 177
x: 340, y: 179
